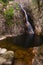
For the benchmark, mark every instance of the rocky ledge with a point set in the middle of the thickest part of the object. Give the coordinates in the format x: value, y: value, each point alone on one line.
x: 38, y: 59
x: 6, y: 57
x: 5, y: 36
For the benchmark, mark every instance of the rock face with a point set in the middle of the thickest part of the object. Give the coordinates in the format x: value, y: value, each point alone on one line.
x: 15, y: 25
x: 6, y: 57
x: 2, y: 25
x: 38, y: 59
x: 35, y: 10
x: 17, y: 28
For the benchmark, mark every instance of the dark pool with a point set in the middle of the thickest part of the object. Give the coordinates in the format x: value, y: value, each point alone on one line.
x: 25, y: 41
x: 22, y: 46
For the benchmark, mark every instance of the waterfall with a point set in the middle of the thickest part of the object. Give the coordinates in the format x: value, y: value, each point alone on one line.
x: 30, y: 29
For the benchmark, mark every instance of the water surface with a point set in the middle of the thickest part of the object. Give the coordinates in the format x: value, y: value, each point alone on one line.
x: 22, y: 46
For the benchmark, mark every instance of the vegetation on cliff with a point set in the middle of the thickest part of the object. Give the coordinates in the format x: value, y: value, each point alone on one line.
x: 13, y: 16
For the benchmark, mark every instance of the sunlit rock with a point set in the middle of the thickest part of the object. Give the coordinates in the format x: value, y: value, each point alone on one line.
x: 6, y: 57
x: 2, y: 60
x: 2, y: 37
x: 38, y: 29
x: 9, y: 55
x: 10, y: 2
x: 35, y: 49
x: 3, y: 50
x: 4, y: 9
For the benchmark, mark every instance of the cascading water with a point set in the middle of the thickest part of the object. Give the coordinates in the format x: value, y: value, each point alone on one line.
x: 30, y: 29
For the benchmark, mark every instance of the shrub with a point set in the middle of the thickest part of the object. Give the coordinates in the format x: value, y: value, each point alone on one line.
x: 9, y: 15
x: 9, y: 11
x: 4, y: 2
x: 16, y: 6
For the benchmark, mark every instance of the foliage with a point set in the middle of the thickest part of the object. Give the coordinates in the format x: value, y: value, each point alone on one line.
x: 9, y: 15
x: 4, y: 2
x: 9, y: 11
x: 16, y: 5
x: 1, y: 1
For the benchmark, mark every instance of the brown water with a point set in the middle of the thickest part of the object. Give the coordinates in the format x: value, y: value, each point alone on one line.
x: 22, y: 47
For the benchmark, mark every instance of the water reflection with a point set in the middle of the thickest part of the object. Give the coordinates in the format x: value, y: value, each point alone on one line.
x: 26, y: 41
x: 38, y: 40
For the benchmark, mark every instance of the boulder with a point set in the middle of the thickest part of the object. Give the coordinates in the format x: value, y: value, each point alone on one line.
x: 9, y: 55
x: 2, y: 60
x: 3, y: 50
x: 6, y: 57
